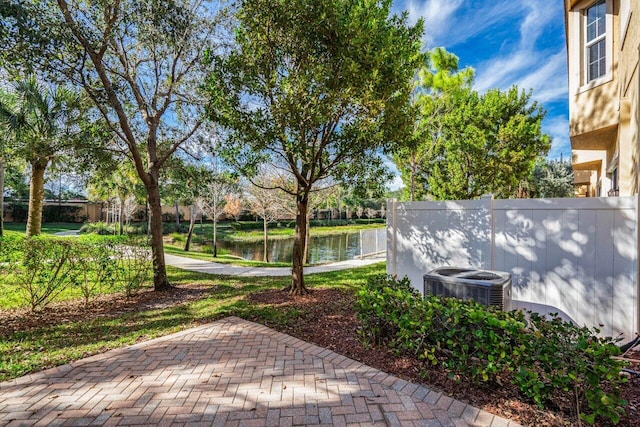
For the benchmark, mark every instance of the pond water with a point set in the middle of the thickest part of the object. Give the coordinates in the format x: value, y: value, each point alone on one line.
x: 323, y: 249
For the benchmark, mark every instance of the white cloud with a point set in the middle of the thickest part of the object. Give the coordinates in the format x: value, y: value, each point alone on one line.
x: 448, y: 23
x: 527, y: 66
x: 525, y: 48
x: 558, y: 128
x: 499, y: 72
x: 539, y: 16
x: 549, y: 82
x: 436, y: 14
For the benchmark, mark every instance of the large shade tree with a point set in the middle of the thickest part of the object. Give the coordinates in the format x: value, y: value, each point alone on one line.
x: 315, y: 88
x: 141, y: 63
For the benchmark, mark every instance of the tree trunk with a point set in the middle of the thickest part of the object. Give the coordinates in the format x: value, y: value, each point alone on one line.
x: 36, y: 197
x: 307, y: 241
x: 1, y: 197
x: 215, y: 236
x: 297, y: 274
x: 148, y: 211
x: 192, y: 224
x: 121, y: 216
x: 265, y: 258
x: 160, y: 281
x: 177, y: 217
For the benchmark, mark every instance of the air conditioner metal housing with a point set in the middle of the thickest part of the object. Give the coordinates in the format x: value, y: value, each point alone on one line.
x: 488, y: 287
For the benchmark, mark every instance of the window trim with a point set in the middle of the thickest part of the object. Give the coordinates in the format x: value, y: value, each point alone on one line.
x: 588, y: 44
x: 608, y: 35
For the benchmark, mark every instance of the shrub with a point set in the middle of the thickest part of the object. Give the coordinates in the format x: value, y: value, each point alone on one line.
x: 10, y: 256
x: 45, y: 269
x: 61, y: 213
x: 104, y: 229
x: 100, y: 228
x: 542, y: 356
x: 95, y: 266
x: 253, y: 225
x: 134, y: 265
x: 19, y: 211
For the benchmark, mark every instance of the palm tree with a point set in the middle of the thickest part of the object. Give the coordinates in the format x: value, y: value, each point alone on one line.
x: 44, y: 122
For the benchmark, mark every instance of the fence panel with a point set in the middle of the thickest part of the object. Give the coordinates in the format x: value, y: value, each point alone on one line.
x: 373, y: 242
x: 426, y: 235
x: 576, y: 257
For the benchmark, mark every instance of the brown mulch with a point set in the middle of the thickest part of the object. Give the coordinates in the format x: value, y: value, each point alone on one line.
x: 326, y: 317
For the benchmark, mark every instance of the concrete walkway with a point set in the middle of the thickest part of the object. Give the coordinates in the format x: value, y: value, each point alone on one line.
x: 228, y: 373
x: 233, y: 270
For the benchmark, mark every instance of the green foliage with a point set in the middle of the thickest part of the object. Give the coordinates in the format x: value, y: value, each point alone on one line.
x: 93, y: 265
x: 41, y: 268
x: 437, y: 81
x: 134, y: 265
x: 331, y: 71
x: 315, y: 88
x: 55, y: 213
x: 544, y: 357
x: 104, y: 229
x: 465, y: 144
x: 550, y: 178
x: 44, y: 269
x: 489, y: 144
x: 571, y: 359
x: 18, y: 211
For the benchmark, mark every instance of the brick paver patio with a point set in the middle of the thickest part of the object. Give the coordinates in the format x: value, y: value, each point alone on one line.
x: 233, y: 373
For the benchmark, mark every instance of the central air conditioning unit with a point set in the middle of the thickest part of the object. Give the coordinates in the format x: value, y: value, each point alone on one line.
x: 491, y: 288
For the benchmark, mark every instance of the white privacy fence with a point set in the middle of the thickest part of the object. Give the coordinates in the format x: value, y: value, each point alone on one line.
x: 372, y: 242
x: 576, y: 257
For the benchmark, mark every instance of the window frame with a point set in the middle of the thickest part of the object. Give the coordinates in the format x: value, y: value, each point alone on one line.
x: 581, y: 16
x: 588, y: 44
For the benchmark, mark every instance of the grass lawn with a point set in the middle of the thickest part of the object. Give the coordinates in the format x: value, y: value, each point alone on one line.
x: 222, y: 258
x: 49, y: 228
x: 257, y: 235
x: 39, y: 347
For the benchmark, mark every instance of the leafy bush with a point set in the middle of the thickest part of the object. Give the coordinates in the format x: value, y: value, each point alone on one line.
x: 100, y: 228
x: 104, y: 229
x: 19, y: 211
x: 56, y: 213
x: 41, y: 268
x: 542, y: 356
x: 45, y: 269
x: 10, y: 256
x: 95, y: 266
x: 134, y: 266
x: 253, y: 225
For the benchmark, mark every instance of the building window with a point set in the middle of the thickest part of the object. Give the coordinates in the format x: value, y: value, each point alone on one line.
x: 595, y: 40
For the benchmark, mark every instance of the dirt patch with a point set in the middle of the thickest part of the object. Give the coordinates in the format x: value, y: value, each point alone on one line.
x: 108, y: 306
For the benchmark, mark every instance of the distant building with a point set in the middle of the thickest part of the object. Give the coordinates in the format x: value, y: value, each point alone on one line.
x: 603, y: 50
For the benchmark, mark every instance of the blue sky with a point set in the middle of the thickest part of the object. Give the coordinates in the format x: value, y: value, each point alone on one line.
x: 508, y: 42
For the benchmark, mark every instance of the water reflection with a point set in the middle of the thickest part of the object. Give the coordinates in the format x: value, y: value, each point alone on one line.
x: 323, y: 249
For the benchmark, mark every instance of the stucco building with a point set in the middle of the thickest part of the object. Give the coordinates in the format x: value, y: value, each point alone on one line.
x: 603, y: 49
